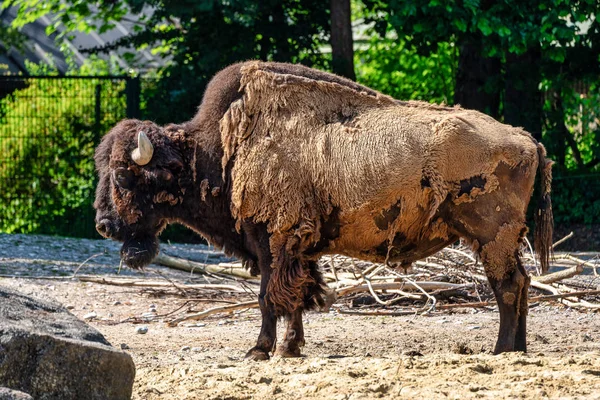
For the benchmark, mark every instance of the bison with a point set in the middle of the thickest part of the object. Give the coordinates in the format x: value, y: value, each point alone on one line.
x: 283, y: 164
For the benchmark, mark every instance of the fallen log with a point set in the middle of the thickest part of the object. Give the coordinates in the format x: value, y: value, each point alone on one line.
x: 566, y: 300
x: 192, y: 266
x: 559, y: 275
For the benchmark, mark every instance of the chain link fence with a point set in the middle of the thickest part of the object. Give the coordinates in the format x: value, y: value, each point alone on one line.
x: 49, y: 128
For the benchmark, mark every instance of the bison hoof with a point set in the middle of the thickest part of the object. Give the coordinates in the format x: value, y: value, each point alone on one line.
x: 287, y: 352
x: 257, y: 354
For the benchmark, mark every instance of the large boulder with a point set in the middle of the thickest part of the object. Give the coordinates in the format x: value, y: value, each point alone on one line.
x: 9, y: 394
x: 47, y: 352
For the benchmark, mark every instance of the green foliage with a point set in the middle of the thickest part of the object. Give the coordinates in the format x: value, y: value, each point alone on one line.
x: 48, y: 132
x: 11, y: 36
x: 394, y: 68
x: 511, y: 26
x: 74, y: 15
x: 576, y: 198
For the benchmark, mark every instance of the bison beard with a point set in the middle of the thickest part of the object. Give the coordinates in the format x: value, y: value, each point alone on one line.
x: 139, y: 251
x: 283, y: 164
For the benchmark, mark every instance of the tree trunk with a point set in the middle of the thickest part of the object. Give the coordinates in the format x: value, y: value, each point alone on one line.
x: 556, y: 131
x: 477, y: 77
x: 341, y: 39
x: 522, y: 96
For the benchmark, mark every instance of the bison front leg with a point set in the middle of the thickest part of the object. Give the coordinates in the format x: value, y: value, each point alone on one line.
x: 268, y: 331
x: 300, y: 287
x: 294, y: 336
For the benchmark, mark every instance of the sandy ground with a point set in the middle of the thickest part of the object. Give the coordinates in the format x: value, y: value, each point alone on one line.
x: 346, y: 357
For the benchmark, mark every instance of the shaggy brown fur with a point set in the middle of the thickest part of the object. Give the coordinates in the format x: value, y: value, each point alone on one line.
x: 303, y: 147
x: 283, y: 164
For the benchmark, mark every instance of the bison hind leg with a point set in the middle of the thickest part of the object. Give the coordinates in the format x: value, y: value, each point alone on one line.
x: 510, y: 284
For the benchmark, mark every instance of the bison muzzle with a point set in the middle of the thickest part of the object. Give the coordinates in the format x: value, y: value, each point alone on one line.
x: 283, y: 164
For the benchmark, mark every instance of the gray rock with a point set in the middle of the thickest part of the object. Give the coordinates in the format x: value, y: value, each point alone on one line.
x: 90, y: 316
x: 142, y: 330
x: 10, y: 394
x: 49, y: 353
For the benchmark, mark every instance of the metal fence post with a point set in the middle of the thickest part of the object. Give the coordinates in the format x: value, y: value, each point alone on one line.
x: 98, y: 112
x: 132, y: 90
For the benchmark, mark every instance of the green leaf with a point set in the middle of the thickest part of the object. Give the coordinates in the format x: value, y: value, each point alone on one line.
x: 484, y: 27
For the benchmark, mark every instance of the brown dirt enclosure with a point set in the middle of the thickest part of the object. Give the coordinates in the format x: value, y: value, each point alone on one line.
x: 439, y: 354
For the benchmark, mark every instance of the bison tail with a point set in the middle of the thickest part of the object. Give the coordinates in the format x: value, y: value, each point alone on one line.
x: 544, y: 221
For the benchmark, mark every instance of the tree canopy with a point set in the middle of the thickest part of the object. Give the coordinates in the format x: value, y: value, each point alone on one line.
x: 199, y: 37
x: 533, y: 63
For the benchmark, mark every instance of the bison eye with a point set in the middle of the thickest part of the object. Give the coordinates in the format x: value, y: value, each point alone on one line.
x: 124, y: 178
x: 164, y: 175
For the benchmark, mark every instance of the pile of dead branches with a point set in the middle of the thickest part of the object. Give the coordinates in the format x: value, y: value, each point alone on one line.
x: 451, y: 279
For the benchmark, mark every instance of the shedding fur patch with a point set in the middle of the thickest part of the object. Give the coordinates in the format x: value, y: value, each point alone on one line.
x: 467, y: 190
x: 498, y: 256
x: 165, y: 197
x: 204, y: 185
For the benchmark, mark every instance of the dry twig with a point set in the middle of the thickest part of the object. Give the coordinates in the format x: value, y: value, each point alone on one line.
x: 215, y: 310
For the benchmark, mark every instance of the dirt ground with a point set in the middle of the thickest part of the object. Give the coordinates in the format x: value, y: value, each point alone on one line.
x: 346, y: 357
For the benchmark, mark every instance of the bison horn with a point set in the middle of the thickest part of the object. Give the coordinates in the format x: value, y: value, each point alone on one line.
x: 143, y: 153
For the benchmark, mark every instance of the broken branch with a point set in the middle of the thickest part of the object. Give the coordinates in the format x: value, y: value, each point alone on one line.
x: 402, y: 286
x: 569, y: 236
x: 146, y: 283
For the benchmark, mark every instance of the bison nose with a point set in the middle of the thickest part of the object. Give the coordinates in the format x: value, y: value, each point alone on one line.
x: 103, y: 227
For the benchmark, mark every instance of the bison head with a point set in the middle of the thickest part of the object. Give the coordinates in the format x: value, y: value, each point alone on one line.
x: 140, y: 168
